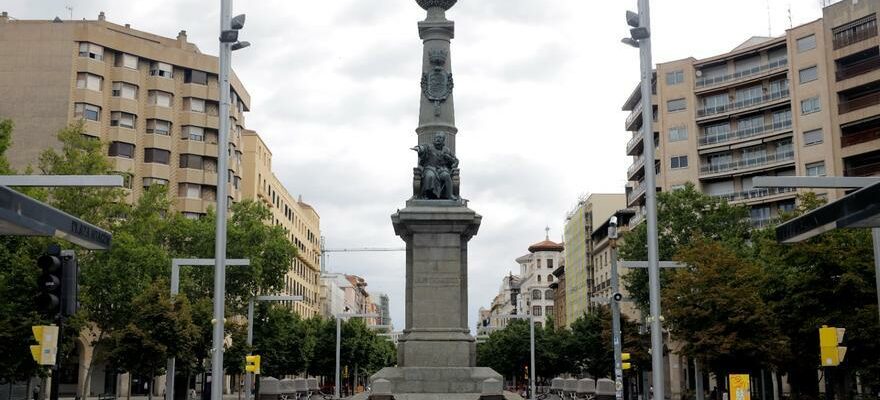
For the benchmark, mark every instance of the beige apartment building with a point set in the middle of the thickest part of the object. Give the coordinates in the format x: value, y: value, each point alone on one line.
x: 589, y: 212
x: 601, y: 264
x: 806, y: 103
x: 299, y: 219
x: 155, y: 102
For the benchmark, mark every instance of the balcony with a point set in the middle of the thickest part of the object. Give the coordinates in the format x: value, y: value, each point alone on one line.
x: 861, y: 133
x: 846, y: 71
x: 741, y: 134
x: 858, y: 101
x: 747, y: 163
x: 743, y: 104
x: 854, y: 32
x: 633, y: 115
x: 636, y: 165
x: 778, y: 64
x: 867, y: 164
x: 636, y: 192
x: 636, y: 139
x: 754, y: 194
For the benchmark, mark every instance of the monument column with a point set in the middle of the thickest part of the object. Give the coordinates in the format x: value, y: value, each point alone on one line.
x: 436, y: 354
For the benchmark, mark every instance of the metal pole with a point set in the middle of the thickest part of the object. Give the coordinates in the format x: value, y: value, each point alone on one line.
x: 170, y: 369
x: 222, y: 177
x: 338, y: 339
x: 698, y: 378
x: 250, y: 342
x: 532, y: 345
x: 876, y: 234
x: 615, y: 321
x: 651, y: 203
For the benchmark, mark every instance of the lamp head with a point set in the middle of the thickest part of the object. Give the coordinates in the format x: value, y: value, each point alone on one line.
x: 630, y: 42
x: 632, y: 19
x: 240, y: 45
x: 238, y: 22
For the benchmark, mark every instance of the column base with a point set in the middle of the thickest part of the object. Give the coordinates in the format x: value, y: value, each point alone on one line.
x: 436, y: 380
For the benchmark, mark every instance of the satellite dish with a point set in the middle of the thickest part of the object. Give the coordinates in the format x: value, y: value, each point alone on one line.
x: 699, y: 73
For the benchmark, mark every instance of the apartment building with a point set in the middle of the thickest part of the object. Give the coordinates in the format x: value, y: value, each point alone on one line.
x: 536, y: 274
x: 558, y: 287
x: 154, y: 100
x: 602, y: 264
x: 806, y: 103
x: 579, y: 224
x: 300, y: 221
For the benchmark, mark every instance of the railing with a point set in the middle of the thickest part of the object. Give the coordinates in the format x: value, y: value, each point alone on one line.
x: 742, y: 74
x: 858, y: 103
x: 754, y: 194
x: 864, y: 170
x: 855, y: 34
x: 638, y: 218
x: 739, y: 105
x: 637, y: 137
x: 745, y: 133
x: 638, y: 163
x: 747, y: 163
x: 636, y: 192
x: 858, y: 68
x: 636, y: 112
x: 859, y: 137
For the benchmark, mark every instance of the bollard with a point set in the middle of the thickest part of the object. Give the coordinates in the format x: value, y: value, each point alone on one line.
x: 605, y: 389
x: 312, y: 384
x: 570, y: 387
x: 381, y: 390
x: 300, y: 388
x: 270, y: 389
x: 556, y: 385
x: 492, y: 389
x: 586, y: 388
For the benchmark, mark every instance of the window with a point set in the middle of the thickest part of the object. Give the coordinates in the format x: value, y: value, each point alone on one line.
x: 676, y: 105
x: 549, y: 310
x: 91, y: 50
x: 549, y: 294
x: 126, y: 60
x: 154, y: 181
x: 855, y: 31
x: 778, y: 86
x: 754, y: 155
x: 816, y: 168
x: 550, y: 278
x: 192, y: 161
x: 196, y: 105
x: 678, y: 134
x: 786, y: 207
x: 812, y: 137
x: 538, y: 262
x: 747, y: 65
x: 85, y: 80
x: 190, y: 190
x: 749, y: 125
x: 160, y: 98
x: 161, y: 69
x: 87, y: 111
x: 784, y: 148
x: 550, y: 263
x: 749, y: 94
x: 158, y: 156
x: 760, y: 213
x: 196, y: 133
x: 210, y: 164
x: 195, y: 76
x: 122, y: 119
x: 811, y: 105
x: 121, y: 149
x: 191, y: 215
x: 536, y: 294
x: 808, y: 74
x: 715, y: 103
x: 778, y: 55
x: 159, y: 127
x: 124, y: 90
x: 679, y: 162
x: 781, y: 119
x: 537, y: 311
x: 539, y: 278
x: 675, y: 77
x: 806, y: 43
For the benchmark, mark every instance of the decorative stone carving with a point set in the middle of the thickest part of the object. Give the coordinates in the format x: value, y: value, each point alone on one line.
x: 437, y: 83
x: 444, y: 4
x: 437, y: 165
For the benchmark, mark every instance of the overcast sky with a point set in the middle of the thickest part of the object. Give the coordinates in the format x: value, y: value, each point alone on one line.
x: 539, y: 86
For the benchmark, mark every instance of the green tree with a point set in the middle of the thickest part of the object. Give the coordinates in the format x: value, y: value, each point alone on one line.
x: 279, y: 335
x: 715, y: 308
x: 682, y: 216
x: 826, y: 280
x: 160, y: 329
x: 507, y: 350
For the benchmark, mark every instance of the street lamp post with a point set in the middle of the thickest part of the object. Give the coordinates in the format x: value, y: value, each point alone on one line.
x: 616, y: 297
x: 176, y: 263
x: 339, y: 318
x: 250, y: 332
x: 641, y: 38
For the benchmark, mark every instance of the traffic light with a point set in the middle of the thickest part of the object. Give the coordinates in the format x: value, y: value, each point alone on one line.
x: 45, y: 352
x: 829, y: 339
x: 253, y: 364
x: 49, y: 299
x: 69, y: 283
x: 625, y: 365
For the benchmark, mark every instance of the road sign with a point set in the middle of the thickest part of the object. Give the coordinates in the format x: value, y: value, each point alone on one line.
x: 46, y: 351
x: 739, y: 387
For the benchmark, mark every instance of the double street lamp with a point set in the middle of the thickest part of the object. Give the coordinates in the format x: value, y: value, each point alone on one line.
x: 250, y: 331
x: 339, y: 318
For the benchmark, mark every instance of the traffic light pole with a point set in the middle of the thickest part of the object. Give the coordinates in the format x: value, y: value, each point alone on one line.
x: 615, y: 313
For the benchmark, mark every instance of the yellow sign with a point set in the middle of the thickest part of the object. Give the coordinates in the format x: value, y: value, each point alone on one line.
x: 739, y: 387
x: 253, y: 364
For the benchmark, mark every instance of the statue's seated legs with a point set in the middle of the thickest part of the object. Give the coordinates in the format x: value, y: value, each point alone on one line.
x: 420, y: 176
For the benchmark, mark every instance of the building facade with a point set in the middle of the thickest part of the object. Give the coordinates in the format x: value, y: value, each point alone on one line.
x: 806, y: 103
x: 602, y: 264
x: 536, y: 274
x: 558, y: 287
x: 590, y: 210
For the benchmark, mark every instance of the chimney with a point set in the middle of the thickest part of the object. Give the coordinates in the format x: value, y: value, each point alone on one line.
x: 101, y: 16
x: 181, y: 39
x: 127, y: 26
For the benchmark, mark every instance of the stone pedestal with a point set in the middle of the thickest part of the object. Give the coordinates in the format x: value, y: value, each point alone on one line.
x: 436, y: 353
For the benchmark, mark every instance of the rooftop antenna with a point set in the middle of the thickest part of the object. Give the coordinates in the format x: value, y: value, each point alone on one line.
x: 70, y: 8
x: 769, y: 21
x: 789, y: 16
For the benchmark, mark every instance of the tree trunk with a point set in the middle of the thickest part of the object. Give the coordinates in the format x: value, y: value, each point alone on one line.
x: 86, y: 387
x: 129, y: 386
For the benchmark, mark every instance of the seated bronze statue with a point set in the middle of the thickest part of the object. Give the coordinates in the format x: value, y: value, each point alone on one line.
x: 437, y: 174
